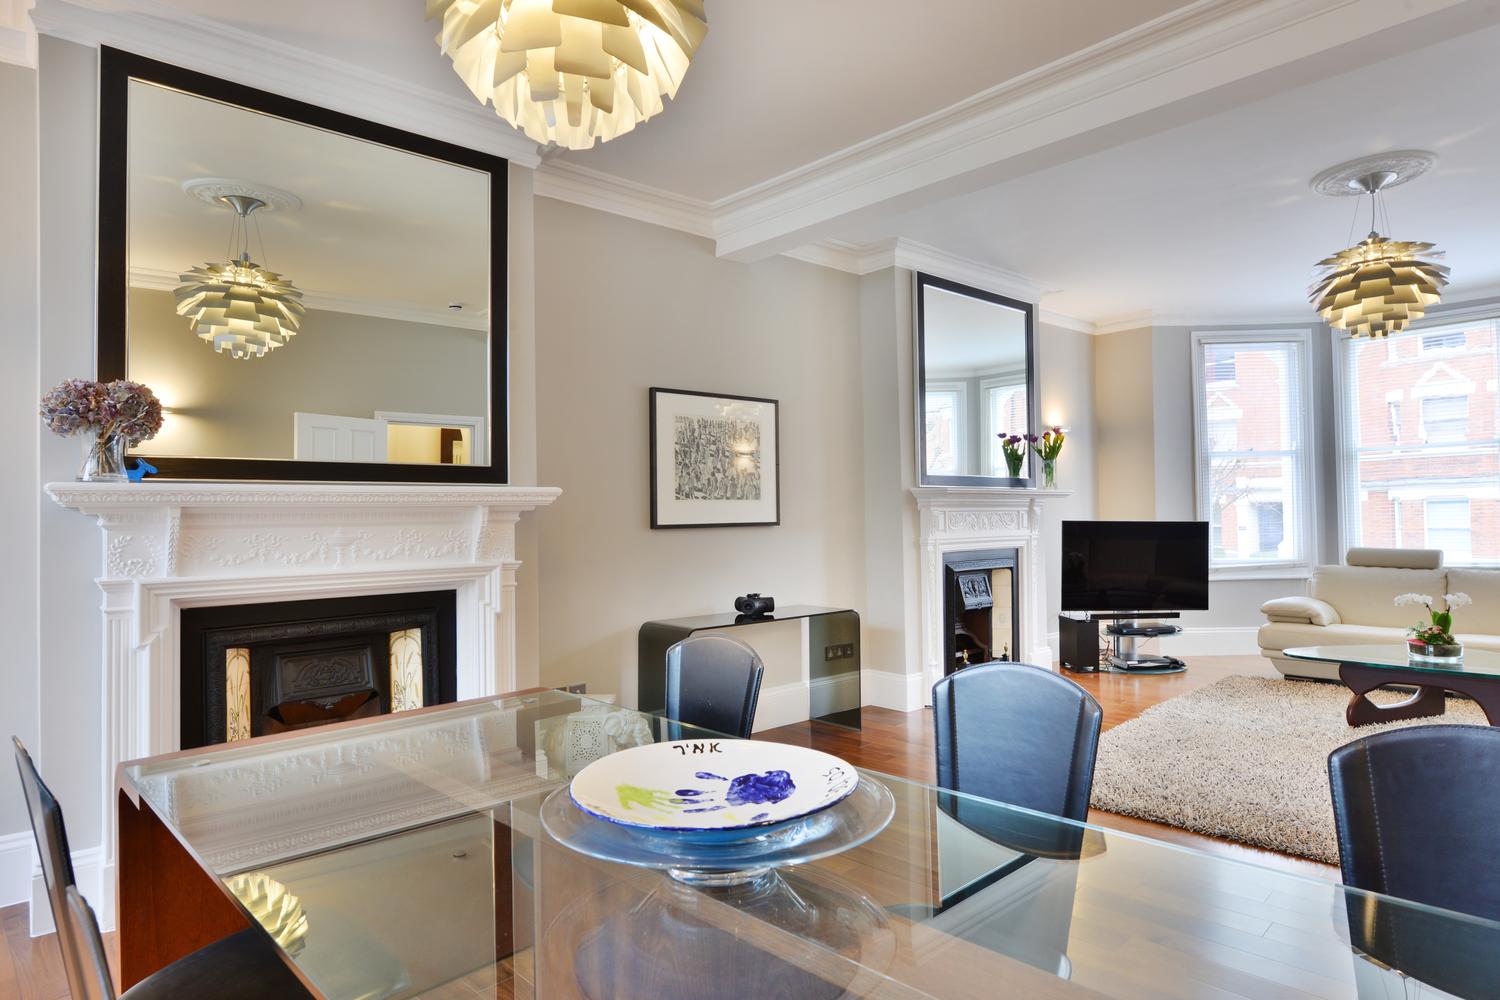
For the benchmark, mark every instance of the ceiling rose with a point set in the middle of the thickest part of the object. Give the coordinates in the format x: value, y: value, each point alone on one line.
x: 1379, y: 286
x: 569, y: 72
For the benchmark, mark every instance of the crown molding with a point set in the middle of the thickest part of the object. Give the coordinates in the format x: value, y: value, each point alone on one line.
x: 566, y: 181
x: 153, y: 29
x: 1187, y: 52
x: 159, y: 280
x: 17, y: 33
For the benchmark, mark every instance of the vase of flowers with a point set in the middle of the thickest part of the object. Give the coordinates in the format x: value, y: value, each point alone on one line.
x: 1013, y: 446
x: 1434, y: 640
x: 1047, y: 449
x: 109, y: 416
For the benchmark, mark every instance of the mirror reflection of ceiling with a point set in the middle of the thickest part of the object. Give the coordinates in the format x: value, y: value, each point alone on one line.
x: 379, y: 230
x: 962, y: 335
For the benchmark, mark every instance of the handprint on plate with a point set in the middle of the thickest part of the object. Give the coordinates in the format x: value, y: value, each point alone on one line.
x: 766, y: 788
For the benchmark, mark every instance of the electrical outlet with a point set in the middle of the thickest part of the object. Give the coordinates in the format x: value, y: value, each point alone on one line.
x: 842, y: 651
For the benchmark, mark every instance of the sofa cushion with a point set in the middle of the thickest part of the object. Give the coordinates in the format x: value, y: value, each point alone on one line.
x: 1489, y: 642
x: 1483, y: 586
x: 1365, y: 595
x: 1307, y: 610
x: 1276, y: 636
x: 1395, y: 558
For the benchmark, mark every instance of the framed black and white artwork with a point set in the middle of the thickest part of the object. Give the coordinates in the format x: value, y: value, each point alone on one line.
x: 714, y: 460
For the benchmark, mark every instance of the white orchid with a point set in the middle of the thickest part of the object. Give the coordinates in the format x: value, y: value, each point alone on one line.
x: 1402, y: 600
x: 1455, y: 601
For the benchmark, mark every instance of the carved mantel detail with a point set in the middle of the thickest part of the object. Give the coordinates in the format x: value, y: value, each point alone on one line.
x: 170, y: 545
x: 954, y: 519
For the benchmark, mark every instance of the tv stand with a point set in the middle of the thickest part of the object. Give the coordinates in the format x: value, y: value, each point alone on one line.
x: 1081, y: 652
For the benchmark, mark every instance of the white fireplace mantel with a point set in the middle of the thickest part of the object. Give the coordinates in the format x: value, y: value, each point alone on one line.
x: 957, y: 519
x: 173, y: 545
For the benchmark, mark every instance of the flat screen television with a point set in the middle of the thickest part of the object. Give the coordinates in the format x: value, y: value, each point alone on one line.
x: 1123, y: 566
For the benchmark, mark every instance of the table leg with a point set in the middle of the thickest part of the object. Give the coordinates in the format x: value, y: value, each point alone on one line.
x: 1427, y: 702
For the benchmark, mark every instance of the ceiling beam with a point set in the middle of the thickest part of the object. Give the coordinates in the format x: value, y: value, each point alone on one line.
x: 1189, y: 64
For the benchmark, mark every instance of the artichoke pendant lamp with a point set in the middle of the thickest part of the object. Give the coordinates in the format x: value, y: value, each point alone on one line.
x: 570, y: 72
x: 1379, y: 286
x: 238, y: 306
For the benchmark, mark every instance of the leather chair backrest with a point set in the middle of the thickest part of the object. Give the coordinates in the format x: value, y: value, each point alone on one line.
x: 1017, y: 734
x: 1416, y: 812
x: 100, y: 985
x: 57, y: 864
x: 713, y: 682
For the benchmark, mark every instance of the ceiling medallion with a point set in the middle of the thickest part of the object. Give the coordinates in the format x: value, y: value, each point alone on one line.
x: 1379, y: 286
x: 569, y: 72
x: 239, y: 307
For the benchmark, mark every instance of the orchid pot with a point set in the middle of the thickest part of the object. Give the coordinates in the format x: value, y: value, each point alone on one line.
x: 1433, y: 640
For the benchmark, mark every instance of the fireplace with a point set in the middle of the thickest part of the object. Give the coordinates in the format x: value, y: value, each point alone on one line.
x: 981, y: 606
x: 253, y: 669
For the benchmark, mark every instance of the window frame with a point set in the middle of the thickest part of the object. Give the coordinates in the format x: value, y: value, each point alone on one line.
x: 1304, y: 522
x: 1346, y: 472
x: 988, y: 435
x: 960, y: 390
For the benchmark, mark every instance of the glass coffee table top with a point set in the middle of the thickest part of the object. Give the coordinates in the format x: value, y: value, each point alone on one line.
x: 1475, y: 662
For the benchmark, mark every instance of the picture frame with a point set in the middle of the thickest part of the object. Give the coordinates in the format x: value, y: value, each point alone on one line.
x: 715, y: 460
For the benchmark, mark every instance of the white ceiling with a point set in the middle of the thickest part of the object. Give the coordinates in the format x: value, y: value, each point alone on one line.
x: 376, y: 224
x: 780, y: 83
x: 1101, y: 199
x: 1217, y: 218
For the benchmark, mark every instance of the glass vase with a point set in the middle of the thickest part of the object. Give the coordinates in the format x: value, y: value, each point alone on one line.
x: 103, y: 458
x: 1049, y: 473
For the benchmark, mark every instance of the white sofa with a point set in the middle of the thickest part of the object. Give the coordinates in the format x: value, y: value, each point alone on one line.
x: 1354, y: 604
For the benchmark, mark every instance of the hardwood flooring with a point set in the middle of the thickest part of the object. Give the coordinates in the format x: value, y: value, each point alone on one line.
x: 899, y: 743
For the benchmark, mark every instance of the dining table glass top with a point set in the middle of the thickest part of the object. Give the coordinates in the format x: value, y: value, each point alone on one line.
x: 408, y: 857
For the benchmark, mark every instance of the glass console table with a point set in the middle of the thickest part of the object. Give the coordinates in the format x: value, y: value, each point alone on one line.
x: 830, y: 643
x: 405, y: 857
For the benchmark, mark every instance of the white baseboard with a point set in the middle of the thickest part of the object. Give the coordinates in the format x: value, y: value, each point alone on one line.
x: 1212, y: 641
x: 883, y: 689
x: 781, y: 705
x: 97, y: 886
x: 16, y: 861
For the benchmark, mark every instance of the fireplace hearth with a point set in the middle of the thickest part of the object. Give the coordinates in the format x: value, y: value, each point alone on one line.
x: 253, y: 669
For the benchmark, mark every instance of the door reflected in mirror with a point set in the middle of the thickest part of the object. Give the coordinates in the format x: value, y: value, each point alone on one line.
x: 976, y: 384
x: 298, y: 293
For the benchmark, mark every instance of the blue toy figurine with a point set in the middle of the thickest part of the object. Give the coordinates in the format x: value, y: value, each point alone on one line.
x: 140, y: 470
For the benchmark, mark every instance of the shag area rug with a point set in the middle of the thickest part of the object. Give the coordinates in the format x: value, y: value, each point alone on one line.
x: 1244, y: 758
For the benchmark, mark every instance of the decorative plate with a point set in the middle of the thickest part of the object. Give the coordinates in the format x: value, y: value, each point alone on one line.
x: 704, y: 785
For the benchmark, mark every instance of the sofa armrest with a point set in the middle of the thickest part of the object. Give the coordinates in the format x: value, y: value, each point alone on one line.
x: 1302, y: 610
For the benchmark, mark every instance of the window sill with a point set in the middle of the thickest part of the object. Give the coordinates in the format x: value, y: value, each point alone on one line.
x: 1277, y: 571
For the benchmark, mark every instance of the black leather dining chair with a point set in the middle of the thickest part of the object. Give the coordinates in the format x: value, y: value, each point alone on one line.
x: 243, y: 966
x: 1415, y: 811
x: 1017, y: 734
x: 713, y: 682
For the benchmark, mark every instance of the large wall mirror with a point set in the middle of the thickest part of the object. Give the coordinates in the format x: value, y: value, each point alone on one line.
x: 313, y: 296
x: 976, y: 384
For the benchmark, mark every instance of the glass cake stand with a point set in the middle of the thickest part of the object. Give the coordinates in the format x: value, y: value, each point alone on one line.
x: 708, y: 858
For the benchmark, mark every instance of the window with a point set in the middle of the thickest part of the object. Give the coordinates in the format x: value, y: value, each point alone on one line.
x: 945, y: 428
x: 1451, y: 339
x: 1445, y: 419
x: 1448, y: 528
x: 1437, y: 485
x: 1005, y: 412
x: 1252, y: 462
x: 1393, y: 410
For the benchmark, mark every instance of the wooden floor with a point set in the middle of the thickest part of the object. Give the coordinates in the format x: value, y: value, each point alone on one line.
x: 899, y: 743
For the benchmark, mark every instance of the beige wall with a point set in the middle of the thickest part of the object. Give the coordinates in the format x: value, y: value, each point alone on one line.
x: 338, y: 363
x: 18, y: 395
x: 1065, y: 364
x: 620, y: 307
x: 1125, y: 444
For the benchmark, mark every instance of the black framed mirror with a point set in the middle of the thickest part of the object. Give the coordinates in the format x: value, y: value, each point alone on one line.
x: 975, y: 385
x: 313, y: 296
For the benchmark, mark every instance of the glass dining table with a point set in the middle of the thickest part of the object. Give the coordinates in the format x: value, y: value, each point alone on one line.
x: 413, y: 856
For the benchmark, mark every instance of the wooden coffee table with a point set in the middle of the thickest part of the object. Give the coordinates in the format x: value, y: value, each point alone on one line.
x: 1365, y: 668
